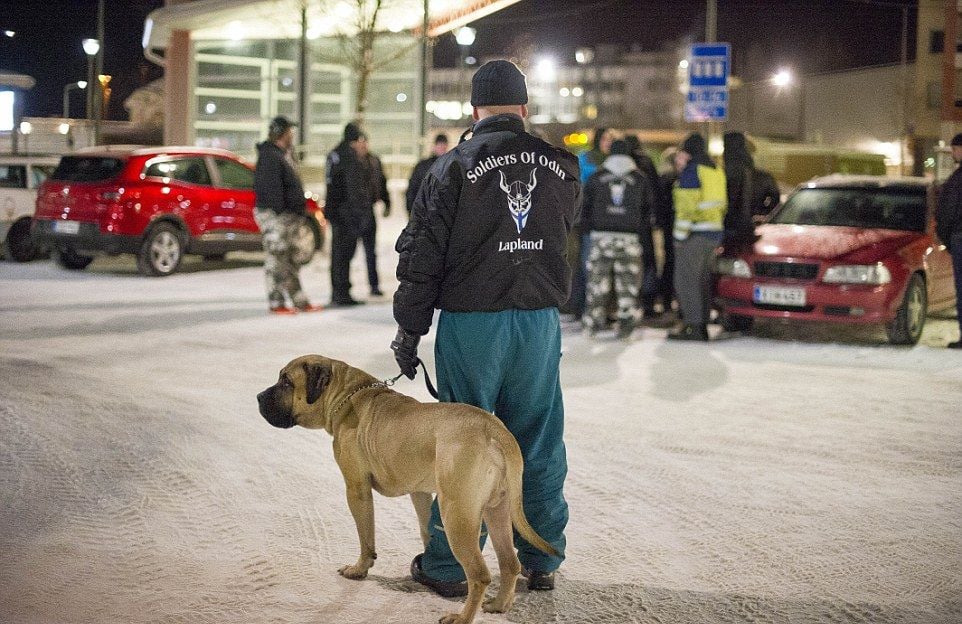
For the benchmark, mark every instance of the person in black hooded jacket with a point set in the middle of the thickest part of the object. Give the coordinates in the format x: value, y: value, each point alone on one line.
x: 751, y: 192
x: 948, y: 226
x: 649, y: 286
x: 347, y: 210
x: 616, y: 215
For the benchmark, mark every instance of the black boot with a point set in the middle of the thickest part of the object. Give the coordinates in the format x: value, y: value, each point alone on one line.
x: 539, y: 581
x: 690, y: 332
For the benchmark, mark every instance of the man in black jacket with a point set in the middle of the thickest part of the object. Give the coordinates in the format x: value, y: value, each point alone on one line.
x: 374, y: 185
x: 649, y: 287
x: 421, y: 169
x: 280, y: 211
x: 486, y: 244
x: 347, y: 210
x: 948, y: 226
x: 616, y: 216
x: 751, y: 192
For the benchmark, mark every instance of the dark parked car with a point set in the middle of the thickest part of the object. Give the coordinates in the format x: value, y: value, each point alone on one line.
x: 850, y: 249
x: 157, y: 203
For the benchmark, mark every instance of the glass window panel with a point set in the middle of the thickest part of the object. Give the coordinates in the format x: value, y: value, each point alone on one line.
x: 215, y: 107
x: 41, y: 173
x: 190, y: 170
x: 13, y: 176
x: 234, y: 175
x: 228, y: 76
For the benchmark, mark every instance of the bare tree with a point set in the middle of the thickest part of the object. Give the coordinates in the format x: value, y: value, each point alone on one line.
x: 357, y: 45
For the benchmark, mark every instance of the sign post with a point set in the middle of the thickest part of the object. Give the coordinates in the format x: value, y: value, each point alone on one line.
x: 708, y: 82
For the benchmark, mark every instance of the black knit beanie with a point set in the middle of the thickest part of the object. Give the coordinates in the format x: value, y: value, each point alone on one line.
x: 498, y: 83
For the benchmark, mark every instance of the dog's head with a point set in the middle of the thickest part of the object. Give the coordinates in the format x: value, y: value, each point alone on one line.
x: 293, y: 400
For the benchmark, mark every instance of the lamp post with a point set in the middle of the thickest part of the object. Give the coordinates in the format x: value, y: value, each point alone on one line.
x: 91, y: 48
x: 80, y: 84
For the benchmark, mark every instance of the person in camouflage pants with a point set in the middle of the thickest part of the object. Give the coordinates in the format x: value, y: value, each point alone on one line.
x: 279, y: 210
x: 618, y: 253
x: 616, y: 213
x: 280, y: 268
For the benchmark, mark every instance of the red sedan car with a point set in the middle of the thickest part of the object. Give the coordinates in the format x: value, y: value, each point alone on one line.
x: 851, y: 249
x: 158, y: 203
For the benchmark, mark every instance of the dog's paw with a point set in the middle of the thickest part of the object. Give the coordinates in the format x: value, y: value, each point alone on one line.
x: 453, y: 618
x: 493, y: 605
x: 353, y: 572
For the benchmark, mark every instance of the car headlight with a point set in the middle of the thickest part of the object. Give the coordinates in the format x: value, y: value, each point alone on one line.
x: 736, y: 267
x: 857, y: 274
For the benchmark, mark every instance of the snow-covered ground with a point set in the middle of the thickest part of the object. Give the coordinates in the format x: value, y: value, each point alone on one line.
x: 802, y: 475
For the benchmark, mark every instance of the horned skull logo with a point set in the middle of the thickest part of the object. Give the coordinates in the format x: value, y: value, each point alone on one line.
x: 519, y: 197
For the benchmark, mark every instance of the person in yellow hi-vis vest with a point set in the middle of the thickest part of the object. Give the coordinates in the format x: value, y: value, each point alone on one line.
x: 701, y: 200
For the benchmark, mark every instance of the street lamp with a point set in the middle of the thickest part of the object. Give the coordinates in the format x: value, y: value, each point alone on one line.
x: 80, y: 84
x: 91, y: 48
x: 546, y: 69
x: 465, y: 37
x: 782, y: 78
x: 9, y: 33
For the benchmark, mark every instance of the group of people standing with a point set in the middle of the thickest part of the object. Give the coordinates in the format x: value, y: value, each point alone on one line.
x: 693, y: 206
x: 355, y: 184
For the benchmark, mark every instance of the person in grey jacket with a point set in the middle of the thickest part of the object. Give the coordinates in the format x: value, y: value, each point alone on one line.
x: 280, y: 211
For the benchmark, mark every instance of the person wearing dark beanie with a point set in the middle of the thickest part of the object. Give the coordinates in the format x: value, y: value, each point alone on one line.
x: 346, y: 211
x: 486, y: 245
x: 352, y: 132
x: 701, y: 199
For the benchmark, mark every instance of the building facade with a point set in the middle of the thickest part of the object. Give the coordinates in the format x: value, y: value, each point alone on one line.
x: 232, y: 65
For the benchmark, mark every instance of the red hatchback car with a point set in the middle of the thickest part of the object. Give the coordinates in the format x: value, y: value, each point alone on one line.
x: 158, y: 203
x: 851, y: 249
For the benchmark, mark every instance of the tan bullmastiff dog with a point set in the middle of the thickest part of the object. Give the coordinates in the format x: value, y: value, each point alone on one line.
x: 389, y: 442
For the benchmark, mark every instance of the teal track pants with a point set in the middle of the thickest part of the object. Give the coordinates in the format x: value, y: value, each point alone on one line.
x: 507, y: 363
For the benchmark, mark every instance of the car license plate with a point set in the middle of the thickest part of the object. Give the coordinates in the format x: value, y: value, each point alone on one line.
x: 778, y: 295
x: 66, y: 227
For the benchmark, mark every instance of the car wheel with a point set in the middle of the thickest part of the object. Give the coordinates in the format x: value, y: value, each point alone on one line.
x: 737, y: 323
x: 161, y: 252
x: 19, y: 244
x: 906, y: 327
x: 305, y: 242
x: 70, y: 259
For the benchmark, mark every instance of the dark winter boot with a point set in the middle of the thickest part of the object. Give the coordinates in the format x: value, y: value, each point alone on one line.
x: 625, y: 327
x: 539, y: 581
x: 690, y: 332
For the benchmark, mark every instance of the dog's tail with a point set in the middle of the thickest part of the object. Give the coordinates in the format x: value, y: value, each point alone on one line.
x: 515, y: 469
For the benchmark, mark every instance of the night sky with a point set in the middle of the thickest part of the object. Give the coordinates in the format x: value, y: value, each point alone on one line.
x: 808, y: 35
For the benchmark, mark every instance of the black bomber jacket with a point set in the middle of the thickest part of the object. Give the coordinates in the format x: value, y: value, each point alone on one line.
x: 489, y: 227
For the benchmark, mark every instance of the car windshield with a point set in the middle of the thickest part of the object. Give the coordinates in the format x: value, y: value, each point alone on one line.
x: 88, y: 168
x: 887, y: 208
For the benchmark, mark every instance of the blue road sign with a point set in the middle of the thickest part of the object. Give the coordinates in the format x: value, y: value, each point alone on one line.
x: 708, y: 82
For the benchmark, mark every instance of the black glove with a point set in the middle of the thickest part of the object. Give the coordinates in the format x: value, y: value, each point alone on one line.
x: 405, y: 347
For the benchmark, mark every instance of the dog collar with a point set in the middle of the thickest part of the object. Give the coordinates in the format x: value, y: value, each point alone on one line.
x: 387, y: 383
